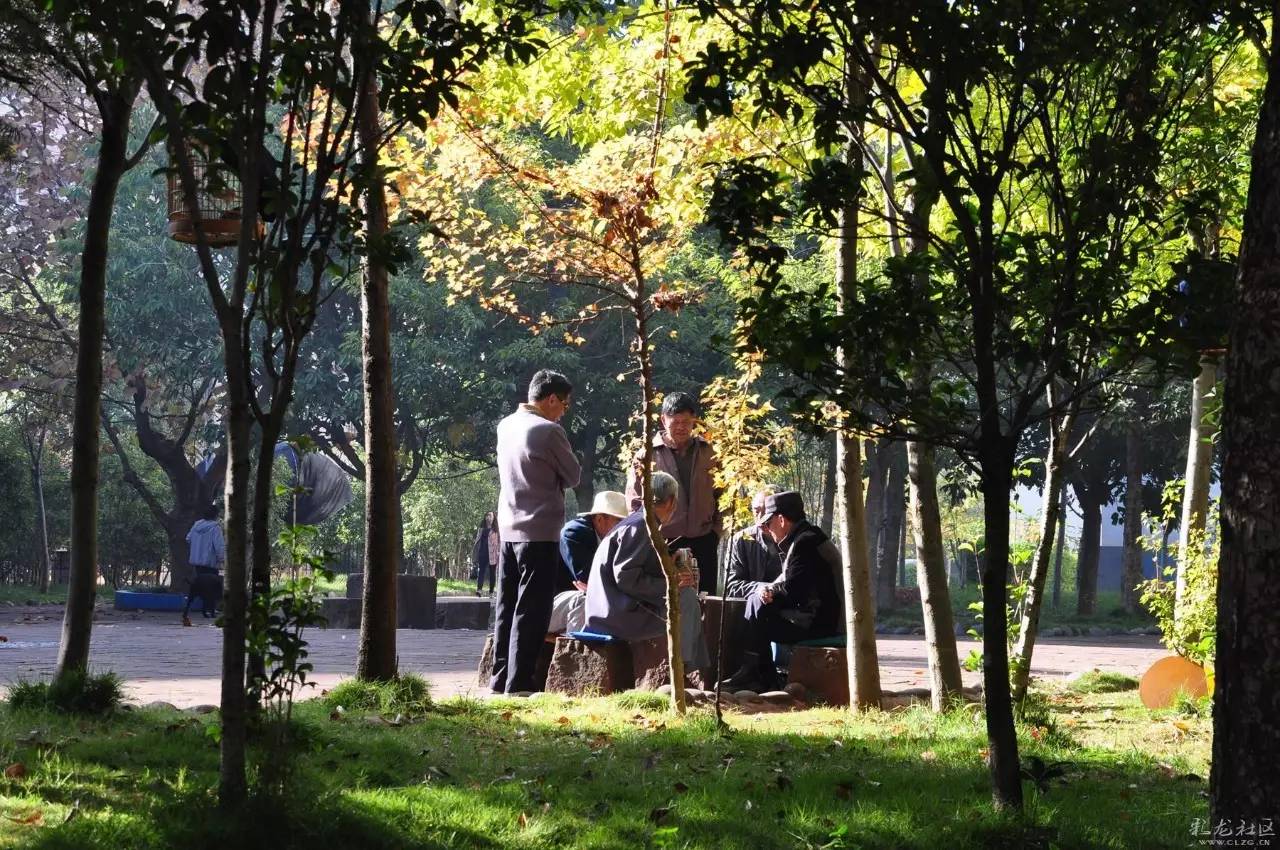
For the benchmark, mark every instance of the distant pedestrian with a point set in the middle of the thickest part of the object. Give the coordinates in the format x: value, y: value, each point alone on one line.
x: 206, y: 555
x: 535, y: 466
x: 484, y: 552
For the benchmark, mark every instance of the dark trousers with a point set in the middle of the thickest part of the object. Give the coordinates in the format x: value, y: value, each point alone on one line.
x: 207, y: 584
x: 491, y: 569
x: 765, y: 624
x: 526, y: 587
x: 707, y: 550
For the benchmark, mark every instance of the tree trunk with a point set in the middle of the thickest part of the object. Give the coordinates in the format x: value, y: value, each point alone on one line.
x: 859, y: 601
x: 232, y: 788
x: 1131, y: 573
x: 829, y: 486
x: 377, y: 655
x: 876, y: 471
x: 1087, y: 561
x: 36, y: 451
x: 931, y: 576
x: 1244, y: 785
x: 891, y: 525
x: 1195, y: 495
x: 77, y: 623
x: 1002, y: 742
x: 586, y: 489
x: 1057, y: 558
x: 1050, y: 519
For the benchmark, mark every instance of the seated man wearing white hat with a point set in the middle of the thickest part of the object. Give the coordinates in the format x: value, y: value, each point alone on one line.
x: 579, y: 540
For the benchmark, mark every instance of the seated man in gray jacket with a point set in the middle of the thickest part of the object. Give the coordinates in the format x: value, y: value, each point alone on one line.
x: 627, y: 593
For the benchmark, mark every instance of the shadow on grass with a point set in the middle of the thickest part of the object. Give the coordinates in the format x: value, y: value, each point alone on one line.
x: 597, y: 773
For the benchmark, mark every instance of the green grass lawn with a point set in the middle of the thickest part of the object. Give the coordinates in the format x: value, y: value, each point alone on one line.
x: 1109, y: 612
x: 616, y: 772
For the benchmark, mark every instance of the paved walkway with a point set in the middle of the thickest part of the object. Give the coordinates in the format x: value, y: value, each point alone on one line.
x: 161, y: 660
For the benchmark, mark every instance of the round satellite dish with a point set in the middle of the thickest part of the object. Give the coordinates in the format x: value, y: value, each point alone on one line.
x: 1167, y: 677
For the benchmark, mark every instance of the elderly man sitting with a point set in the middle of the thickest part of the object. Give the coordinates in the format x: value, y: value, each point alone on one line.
x: 803, y: 602
x: 579, y: 540
x: 627, y: 593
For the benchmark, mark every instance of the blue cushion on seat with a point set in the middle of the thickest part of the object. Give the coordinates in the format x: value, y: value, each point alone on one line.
x: 594, y: 637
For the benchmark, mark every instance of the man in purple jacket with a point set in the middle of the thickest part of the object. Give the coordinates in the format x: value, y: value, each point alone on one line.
x: 535, y: 465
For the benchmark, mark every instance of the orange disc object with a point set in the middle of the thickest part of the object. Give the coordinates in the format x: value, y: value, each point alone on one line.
x: 1160, y: 684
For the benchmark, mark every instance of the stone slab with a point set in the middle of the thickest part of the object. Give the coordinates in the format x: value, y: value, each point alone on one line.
x: 822, y: 670
x: 463, y: 612
x: 587, y: 669
x: 415, y: 600
x: 341, y: 613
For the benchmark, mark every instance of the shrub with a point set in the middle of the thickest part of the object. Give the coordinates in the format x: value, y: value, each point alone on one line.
x: 1193, y: 632
x: 407, y: 694
x: 1103, y: 682
x: 75, y: 693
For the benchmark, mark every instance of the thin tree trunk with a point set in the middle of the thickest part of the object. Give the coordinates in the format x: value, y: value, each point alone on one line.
x: 675, y: 657
x: 892, y: 523
x: 1195, y: 495
x: 586, y: 489
x: 377, y: 655
x: 1062, y: 540
x: 931, y: 576
x: 876, y: 473
x: 232, y: 788
x: 1131, y: 572
x: 1002, y: 742
x: 35, y: 449
x: 1244, y: 785
x: 1087, y: 561
x: 829, y: 485
x: 77, y: 623
x: 1050, y: 519
x: 859, y: 611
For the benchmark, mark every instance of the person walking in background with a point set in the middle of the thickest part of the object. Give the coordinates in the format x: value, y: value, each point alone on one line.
x: 207, y: 553
x: 696, y: 523
x: 535, y: 466
x: 484, y: 552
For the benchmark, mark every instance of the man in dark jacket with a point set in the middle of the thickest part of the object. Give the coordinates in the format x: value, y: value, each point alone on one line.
x: 754, y: 560
x: 803, y: 602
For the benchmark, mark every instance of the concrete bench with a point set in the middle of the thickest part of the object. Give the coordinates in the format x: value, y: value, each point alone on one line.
x: 341, y: 613
x: 463, y: 612
x: 415, y: 600
x: 485, y: 671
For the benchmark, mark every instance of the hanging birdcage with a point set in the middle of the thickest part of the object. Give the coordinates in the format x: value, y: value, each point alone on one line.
x: 218, y: 204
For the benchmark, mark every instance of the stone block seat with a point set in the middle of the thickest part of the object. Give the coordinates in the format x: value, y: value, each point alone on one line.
x: 819, y: 664
x: 590, y: 664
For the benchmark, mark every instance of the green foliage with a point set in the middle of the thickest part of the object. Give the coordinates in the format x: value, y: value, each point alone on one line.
x: 408, y: 695
x: 1189, y: 629
x: 77, y: 692
x: 1102, y: 682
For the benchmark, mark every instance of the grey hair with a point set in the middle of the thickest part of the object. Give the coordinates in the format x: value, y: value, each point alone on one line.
x: 765, y: 491
x: 665, y: 487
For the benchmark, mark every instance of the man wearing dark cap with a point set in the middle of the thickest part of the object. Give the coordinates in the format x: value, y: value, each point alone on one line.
x: 696, y: 524
x: 803, y: 602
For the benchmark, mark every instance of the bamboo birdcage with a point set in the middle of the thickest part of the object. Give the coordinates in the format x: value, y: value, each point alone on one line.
x: 218, y: 204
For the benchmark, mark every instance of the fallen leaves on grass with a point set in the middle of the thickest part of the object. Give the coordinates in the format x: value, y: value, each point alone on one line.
x: 523, y: 821
x: 928, y: 756
x: 32, y: 818
x: 17, y: 770
x: 562, y: 720
x: 659, y: 814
